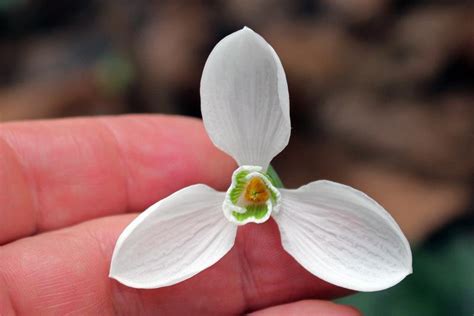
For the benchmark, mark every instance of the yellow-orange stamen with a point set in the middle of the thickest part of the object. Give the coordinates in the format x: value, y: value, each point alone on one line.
x: 256, y: 191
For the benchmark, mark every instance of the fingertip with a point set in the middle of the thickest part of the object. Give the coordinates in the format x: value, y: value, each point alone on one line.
x: 309, y: 307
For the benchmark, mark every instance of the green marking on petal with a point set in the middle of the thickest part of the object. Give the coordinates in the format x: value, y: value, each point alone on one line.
x: 252, y: 195
x: 253, y: 211
x: 273, y: 196
x: 240, y: 182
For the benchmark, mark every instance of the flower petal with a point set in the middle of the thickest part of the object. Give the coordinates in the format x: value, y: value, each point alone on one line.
x: 343, y: 236
x: 244, y: 99
x: 173, y: 239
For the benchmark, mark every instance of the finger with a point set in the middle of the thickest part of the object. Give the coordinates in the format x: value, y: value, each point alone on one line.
x: 60, y: 172
x: 66, y: 271
x: 309, y: 307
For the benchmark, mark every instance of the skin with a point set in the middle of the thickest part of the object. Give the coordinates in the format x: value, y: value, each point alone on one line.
x: 68, y: 189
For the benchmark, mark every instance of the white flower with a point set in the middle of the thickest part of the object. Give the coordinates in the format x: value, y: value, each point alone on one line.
x: 337, y: 233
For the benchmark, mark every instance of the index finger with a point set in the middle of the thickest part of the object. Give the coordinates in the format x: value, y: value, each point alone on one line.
x: 56, y: 173
x: 66, y: 272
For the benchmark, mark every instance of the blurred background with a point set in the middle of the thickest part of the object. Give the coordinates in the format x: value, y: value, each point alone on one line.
x: 382, y: 99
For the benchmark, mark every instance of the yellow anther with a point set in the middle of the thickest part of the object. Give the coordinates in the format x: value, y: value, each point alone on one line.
x: 256, y: 191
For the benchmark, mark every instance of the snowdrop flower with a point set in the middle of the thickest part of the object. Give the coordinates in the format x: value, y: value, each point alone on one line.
x: 337, y: 233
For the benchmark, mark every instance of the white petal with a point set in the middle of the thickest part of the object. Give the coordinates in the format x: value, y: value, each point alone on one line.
x: 244, y: 99
x: 173, y: 240
x: 343, y: 236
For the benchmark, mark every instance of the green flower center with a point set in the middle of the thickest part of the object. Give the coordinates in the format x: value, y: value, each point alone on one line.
x: 251, y: 196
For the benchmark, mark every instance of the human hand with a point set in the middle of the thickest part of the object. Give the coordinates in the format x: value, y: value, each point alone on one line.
x: 67, y: 188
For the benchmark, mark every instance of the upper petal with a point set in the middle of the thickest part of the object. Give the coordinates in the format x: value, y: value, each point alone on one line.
x: 173, y: 239
x: 244, y: 99
x: 343, y: 236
